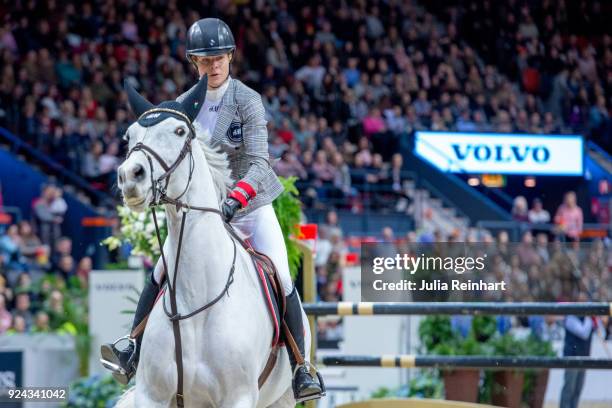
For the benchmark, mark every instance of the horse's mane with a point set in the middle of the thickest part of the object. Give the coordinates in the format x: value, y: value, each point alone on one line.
x: 217, y: 163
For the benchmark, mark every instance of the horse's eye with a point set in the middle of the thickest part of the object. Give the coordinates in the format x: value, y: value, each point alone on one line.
x: 179, y: 131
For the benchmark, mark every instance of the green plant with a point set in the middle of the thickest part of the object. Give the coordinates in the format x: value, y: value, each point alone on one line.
x: 459, y: 346
x: 426, y: 384
x: 534, y: 346
x: 435, y: 330
x: 288, y: 210
x: 507, y: 345
x: 484, y: 327
x: 94, y: 392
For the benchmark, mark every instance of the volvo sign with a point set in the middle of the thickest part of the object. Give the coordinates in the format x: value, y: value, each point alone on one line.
x: 502, y: 153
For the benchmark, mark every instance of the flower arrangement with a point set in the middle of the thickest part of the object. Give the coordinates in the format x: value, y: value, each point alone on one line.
x: 138, y: 230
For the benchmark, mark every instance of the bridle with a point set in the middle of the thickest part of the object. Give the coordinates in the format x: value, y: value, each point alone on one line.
x: 159, y: 192
x: 159, y: 188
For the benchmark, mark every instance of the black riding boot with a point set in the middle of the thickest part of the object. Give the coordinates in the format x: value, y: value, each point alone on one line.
x: 123, y: 362
x: 305, y: 387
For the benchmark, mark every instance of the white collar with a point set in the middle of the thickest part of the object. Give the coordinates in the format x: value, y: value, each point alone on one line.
x: 214, y: 95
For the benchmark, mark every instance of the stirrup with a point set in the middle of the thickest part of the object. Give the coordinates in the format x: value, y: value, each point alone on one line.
x: 113, y: 363
x: 310, y: 397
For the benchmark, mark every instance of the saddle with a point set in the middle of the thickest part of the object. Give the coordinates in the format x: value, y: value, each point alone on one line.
x: 274, y: 295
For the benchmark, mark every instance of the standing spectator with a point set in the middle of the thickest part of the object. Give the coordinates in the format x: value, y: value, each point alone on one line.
x: 58, y: 209
x: 569, y: 217
x: 578, y: 334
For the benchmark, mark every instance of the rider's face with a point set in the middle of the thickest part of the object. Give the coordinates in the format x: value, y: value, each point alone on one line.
x: 217, y: 68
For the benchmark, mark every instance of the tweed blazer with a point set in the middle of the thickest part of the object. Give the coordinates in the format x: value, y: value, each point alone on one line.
x: 241, y: 132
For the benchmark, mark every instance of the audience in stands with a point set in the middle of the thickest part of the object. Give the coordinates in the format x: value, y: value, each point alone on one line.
x: 361, y: 76
x: 30, y: 275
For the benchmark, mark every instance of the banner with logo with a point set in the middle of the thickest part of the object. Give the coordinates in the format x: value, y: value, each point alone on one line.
x: 475, y: 153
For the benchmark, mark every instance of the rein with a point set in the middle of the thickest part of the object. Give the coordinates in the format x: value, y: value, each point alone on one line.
x: 160, y: 198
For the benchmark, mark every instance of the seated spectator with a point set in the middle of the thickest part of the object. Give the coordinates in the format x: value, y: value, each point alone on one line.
x: 373, y: 123
x: 520, y: 209
x: 10, y: 249
x: 83, y: 270
x: 342, y: 179
x: 22, y: 309
x: 537, y: 214
x: 5, y: 289
x: 31, y: 246
x: 527, y: 252
x: 19, y: 325
x: 41, y: 323
x: 54, y: 306
x: 6, y: 318
x: 62, y: 248
x: 48, y: 224
x: 65, y: 267
x: 289, y: 166
x: 322, y: 170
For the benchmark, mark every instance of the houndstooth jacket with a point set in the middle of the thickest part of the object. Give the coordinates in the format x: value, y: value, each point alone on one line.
x: 241, y: 132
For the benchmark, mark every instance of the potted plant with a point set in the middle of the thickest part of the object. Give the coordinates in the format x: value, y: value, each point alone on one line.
x: 507, y: 385
x: 536, y: 381
x: 461, y: 384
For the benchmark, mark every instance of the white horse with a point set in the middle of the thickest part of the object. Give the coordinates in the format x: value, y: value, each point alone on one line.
x: 224, y: 348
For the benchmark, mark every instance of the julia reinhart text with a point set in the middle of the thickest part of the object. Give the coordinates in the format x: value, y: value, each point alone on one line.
x: 438, y: 285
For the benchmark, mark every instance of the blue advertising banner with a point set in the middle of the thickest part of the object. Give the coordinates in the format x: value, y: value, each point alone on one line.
x: 477, y: 153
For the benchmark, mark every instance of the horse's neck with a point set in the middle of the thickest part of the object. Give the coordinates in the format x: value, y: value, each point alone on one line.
x: 206, y: 249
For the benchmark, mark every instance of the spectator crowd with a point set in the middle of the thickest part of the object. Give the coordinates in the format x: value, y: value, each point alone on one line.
x: 37, y: 268
x: 344, y: 84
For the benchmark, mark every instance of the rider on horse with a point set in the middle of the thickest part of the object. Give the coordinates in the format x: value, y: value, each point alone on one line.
x: 234, y: 116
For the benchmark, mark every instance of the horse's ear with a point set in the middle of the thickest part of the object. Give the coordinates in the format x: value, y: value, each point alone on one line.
x: 138, y: 103
x: 194, y: 101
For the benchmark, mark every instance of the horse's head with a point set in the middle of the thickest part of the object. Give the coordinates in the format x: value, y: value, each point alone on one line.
x: 160, y: 162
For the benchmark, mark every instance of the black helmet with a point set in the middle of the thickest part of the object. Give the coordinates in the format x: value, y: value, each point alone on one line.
x: 208, y: 37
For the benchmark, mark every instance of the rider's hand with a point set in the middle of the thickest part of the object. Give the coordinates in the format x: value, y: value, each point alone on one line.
x: 229, y: 208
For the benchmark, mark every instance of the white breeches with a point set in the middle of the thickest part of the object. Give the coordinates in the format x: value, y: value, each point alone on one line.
x: 262, y: 230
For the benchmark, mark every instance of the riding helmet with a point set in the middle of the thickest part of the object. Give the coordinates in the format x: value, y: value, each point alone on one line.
x: 208, y: 37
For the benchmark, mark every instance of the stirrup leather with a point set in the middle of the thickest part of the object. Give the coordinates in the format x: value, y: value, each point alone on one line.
x: 319, y: 378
